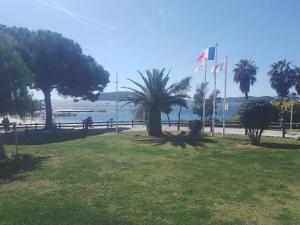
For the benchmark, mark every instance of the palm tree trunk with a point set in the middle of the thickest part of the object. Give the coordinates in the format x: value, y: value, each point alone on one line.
x: 2, y: 151
x: 179, y: 118
x: 154, y: 122
x: 169, y: 119
x: 247, y: 98
x: 47, y: 97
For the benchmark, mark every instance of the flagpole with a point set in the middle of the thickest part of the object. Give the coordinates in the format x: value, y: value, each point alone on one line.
x: 225, y: 89
x: 214, y: 97
x: 117, y: 107
x: 291, y: 117
x: 203, y: 107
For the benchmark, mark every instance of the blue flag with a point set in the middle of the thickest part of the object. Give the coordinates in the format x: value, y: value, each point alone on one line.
x: 211, y: 53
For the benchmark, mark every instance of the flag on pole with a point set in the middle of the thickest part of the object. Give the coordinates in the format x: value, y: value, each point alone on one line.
x: 200, y: 66
x: 208, y: 54
x: 219, y: 67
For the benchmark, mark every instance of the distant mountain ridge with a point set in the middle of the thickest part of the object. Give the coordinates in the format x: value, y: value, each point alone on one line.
x: 111, y: 96
x: 242, y: 99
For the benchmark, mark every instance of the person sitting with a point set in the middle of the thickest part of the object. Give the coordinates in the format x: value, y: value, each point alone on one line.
x: 88, y: 122
x: 5, y: 124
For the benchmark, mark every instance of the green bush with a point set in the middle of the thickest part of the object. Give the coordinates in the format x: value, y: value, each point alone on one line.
x: 283, y: 107
x: 195, y: 127
x: 256, y: 116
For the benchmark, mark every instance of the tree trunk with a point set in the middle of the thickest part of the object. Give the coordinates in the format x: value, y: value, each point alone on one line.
x: 2, y: 151
x: 259, y: 136
x: 254, y: 136
x: 179, y: 118
x: 169, y: 119
x: 154, y: 122
x: 47, y: 95
x: 251, y: 136
x: 246, y: 96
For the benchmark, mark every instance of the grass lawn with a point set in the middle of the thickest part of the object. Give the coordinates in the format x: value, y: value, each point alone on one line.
x: 132, y: 179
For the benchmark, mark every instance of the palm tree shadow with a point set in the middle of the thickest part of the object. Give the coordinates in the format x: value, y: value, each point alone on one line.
x: 46, y: 137
x: 177, y: 140
x: 14, y: 169
x: 281, y: 146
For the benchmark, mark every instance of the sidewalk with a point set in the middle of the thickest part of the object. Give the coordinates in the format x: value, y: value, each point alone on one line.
x: 241, y: 131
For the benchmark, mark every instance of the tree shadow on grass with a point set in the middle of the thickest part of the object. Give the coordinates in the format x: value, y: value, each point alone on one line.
x: 14, y: 169
x: 283, y: 146
x: 177, y: 140
x: 41, y: 137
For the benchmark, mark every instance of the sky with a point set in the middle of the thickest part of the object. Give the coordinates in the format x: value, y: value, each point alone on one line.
x: 131, y: 35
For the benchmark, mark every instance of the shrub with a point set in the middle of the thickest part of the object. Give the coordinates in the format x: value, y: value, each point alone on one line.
x: 195, y: 127
x: 283, y: 107
x: 255, y: 116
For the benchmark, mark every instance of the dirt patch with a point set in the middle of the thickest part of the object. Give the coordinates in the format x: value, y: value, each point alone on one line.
x: 245, y: 145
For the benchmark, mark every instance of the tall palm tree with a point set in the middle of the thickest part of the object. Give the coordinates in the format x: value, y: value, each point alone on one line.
x: 155, y: 95
x: 282, y: 77
x: 245, y: 75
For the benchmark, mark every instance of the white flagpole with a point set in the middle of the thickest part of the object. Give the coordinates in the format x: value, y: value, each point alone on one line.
x: 203, y: 107
x: 225, y: 89
x: 117, y: 107
x: 214, y: 99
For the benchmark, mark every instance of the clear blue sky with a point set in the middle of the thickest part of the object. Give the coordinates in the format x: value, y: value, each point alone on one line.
x: 131, y: 35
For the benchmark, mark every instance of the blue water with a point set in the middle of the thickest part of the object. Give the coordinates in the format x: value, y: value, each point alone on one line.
x: 125, y: 112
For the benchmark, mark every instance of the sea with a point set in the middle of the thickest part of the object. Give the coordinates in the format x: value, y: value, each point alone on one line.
x: 106, y: 110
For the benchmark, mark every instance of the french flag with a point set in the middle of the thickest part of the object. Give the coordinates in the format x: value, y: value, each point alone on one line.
x: 208, y: 54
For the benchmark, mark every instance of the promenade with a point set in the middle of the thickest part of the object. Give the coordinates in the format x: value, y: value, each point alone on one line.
x: 240, y: 131
x: 99, y: 130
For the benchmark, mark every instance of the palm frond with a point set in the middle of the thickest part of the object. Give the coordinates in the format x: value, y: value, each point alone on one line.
x: 137, y: 84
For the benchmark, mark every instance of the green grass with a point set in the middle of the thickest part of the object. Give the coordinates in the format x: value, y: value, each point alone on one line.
x: 130, y: 179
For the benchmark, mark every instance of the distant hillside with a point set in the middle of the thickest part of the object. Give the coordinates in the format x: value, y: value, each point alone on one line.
x: 111, y: 96
x: 241, y: 99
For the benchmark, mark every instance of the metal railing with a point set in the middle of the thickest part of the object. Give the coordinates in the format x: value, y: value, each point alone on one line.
x: 35, y: 127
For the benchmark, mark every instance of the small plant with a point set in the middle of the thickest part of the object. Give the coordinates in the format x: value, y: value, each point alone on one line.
x: 255, y: 116
x: 195, y: 127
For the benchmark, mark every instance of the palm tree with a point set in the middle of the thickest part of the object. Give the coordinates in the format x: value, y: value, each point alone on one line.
x: 201, y: 91
x: 282, y: 77
x: 155, y: 95
x: 245, y: 74
x: 180, y: 88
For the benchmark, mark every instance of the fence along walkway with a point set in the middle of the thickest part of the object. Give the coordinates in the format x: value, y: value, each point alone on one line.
x: 36, y: 127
